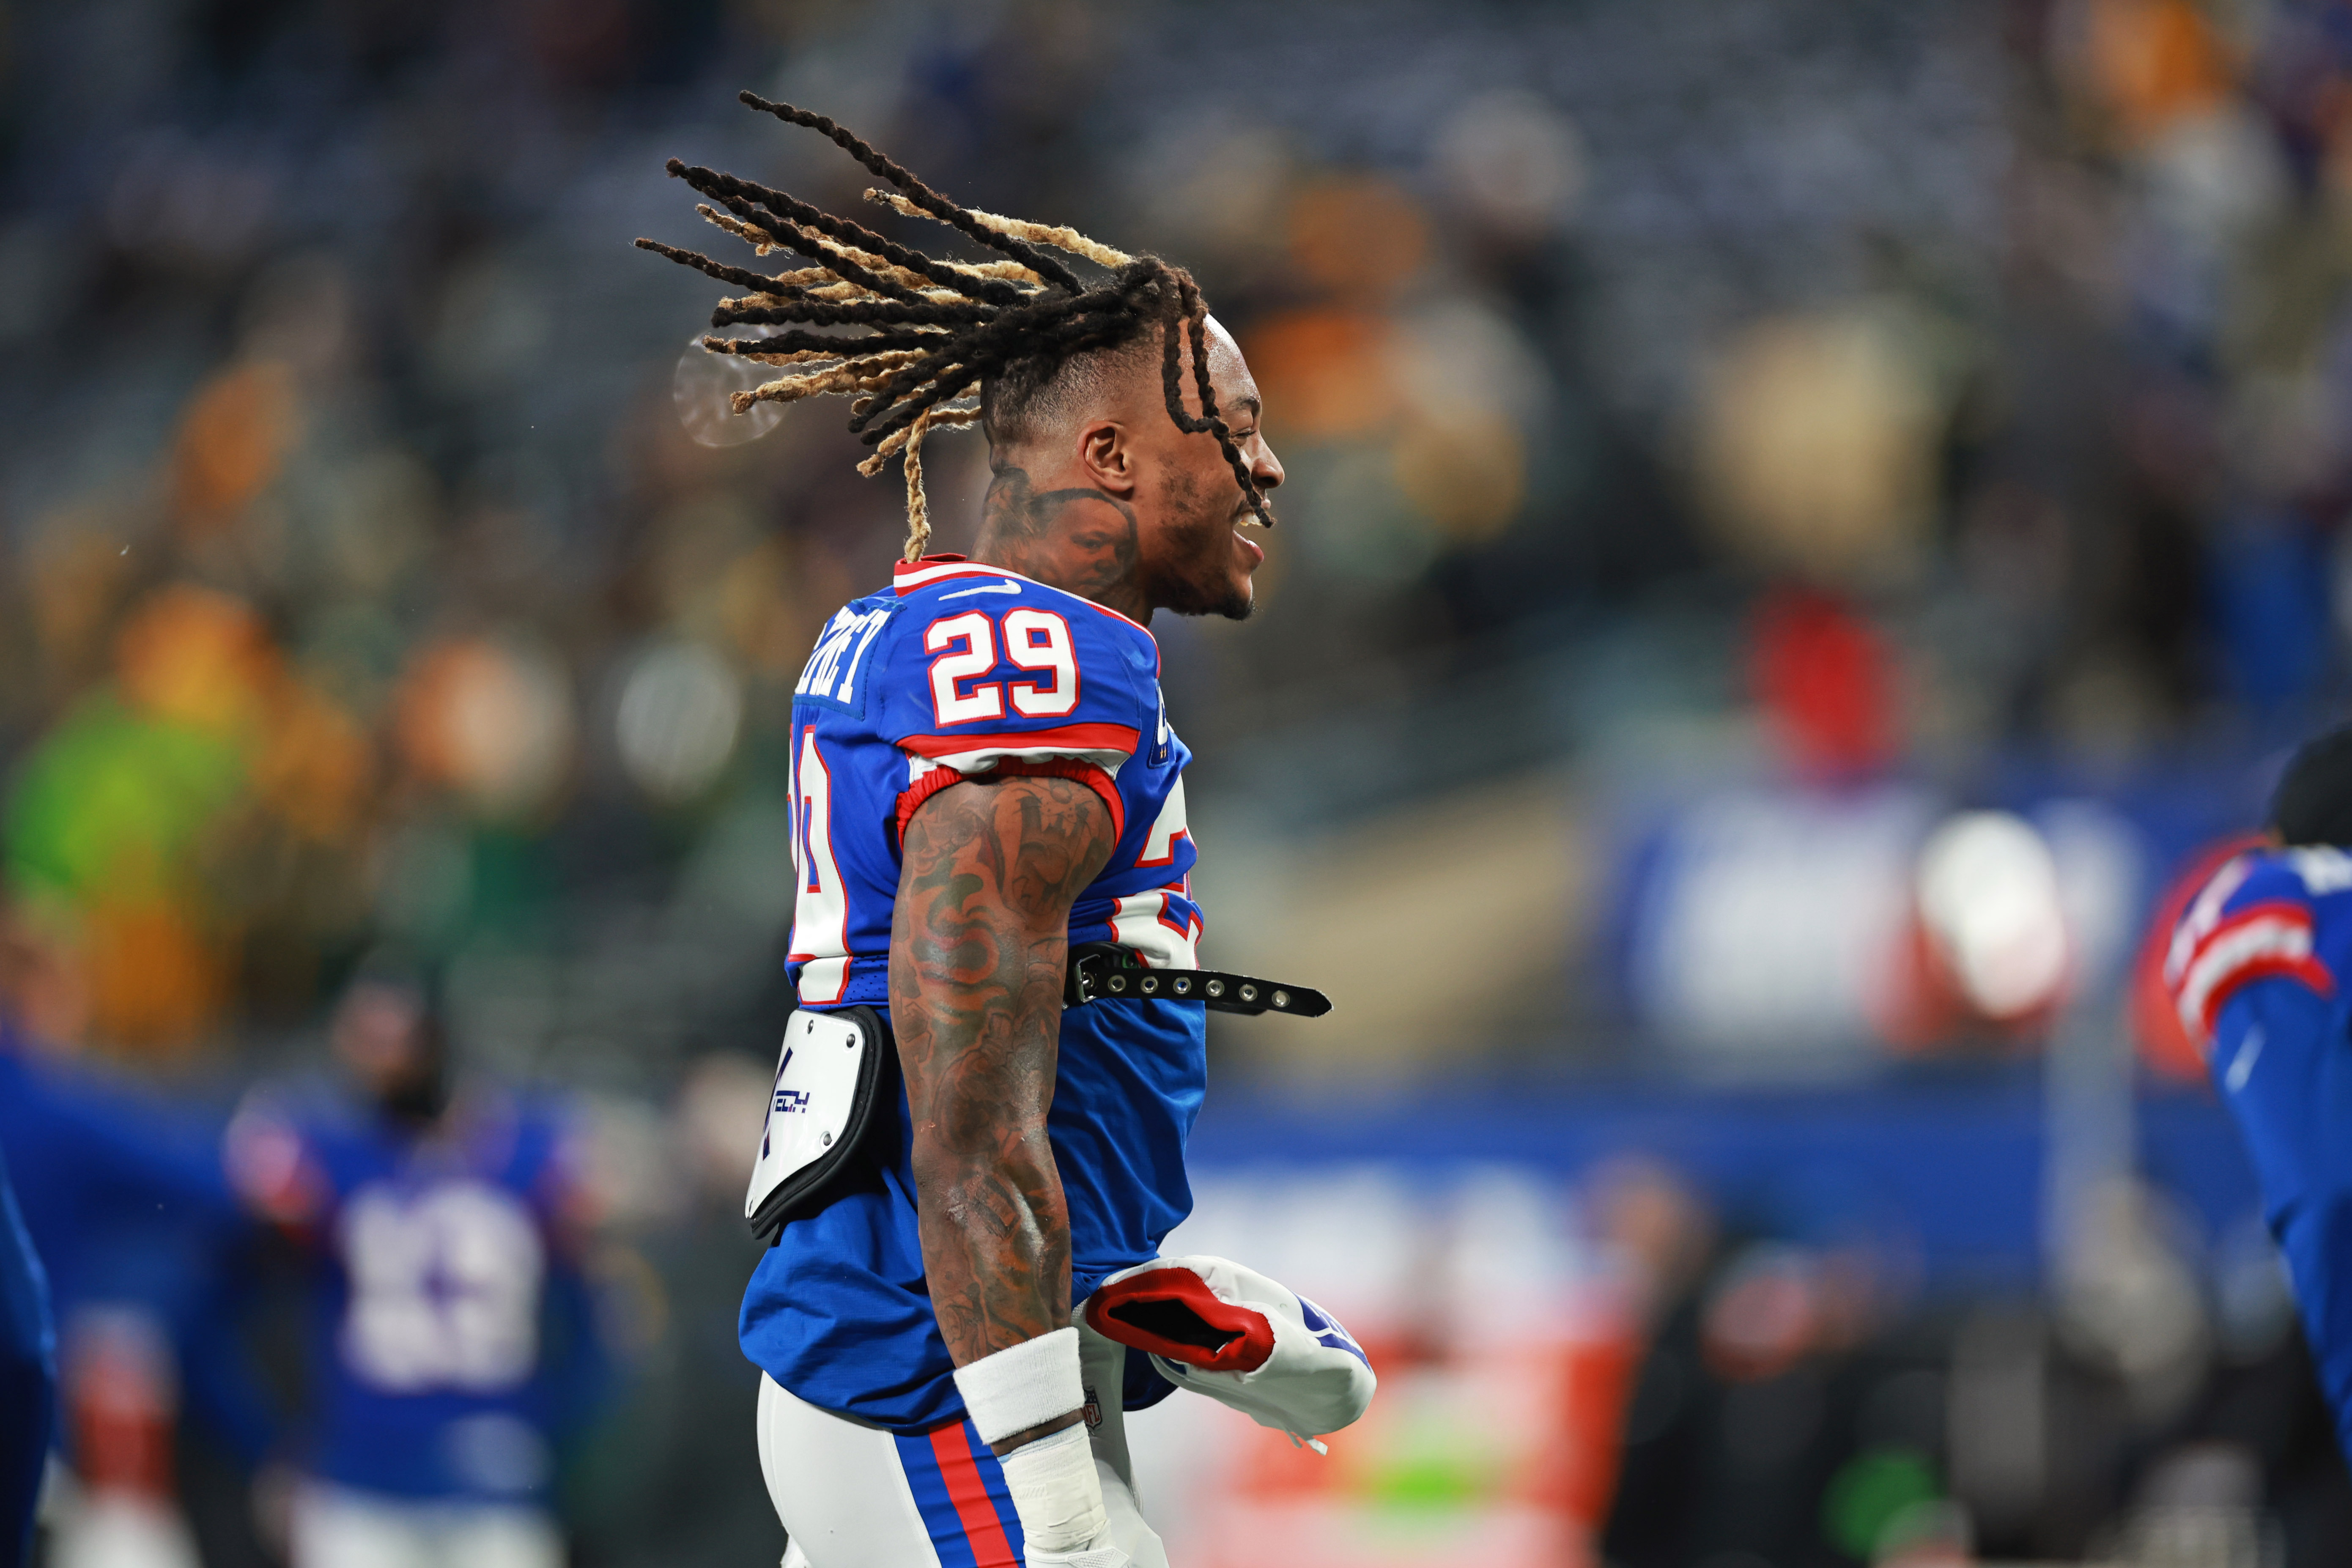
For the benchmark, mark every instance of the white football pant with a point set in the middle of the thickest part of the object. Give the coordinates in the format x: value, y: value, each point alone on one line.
x: 333, y: 1527
x: 853, y: 1496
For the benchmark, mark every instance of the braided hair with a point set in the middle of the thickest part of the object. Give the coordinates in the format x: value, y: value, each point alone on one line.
x: 936, y: 333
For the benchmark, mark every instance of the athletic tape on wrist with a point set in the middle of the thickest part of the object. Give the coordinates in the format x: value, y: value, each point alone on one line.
x: 1024, y: 1385
x: 1057, y: 1492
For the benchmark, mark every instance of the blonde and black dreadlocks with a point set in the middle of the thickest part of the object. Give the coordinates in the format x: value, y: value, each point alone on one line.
x: 936, y: 332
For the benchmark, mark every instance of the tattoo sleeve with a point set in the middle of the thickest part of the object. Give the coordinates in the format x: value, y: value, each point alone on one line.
x: 978, y: 941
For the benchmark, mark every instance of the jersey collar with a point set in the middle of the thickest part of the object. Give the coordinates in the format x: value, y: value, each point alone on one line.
x: 910, y: 576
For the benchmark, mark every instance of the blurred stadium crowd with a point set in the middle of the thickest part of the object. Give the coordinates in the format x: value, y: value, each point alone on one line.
x: 1804, y: 519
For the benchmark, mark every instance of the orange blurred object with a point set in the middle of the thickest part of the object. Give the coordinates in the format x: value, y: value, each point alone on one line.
x: 1597, y: 1372
x: 154, y: 978
x: 489, y: 720
x: 1363, y: 239
x: 232, y: 443
x: 315, y: 766
x: 201, y: 659
x: 2153, y: 62
x: 194, y: 656
x: 1330, y: 372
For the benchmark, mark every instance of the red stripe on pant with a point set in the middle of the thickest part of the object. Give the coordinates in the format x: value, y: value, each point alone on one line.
x: 960, y: 1470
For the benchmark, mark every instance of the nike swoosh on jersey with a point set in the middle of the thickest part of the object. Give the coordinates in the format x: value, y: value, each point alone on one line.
x: 992, y: 588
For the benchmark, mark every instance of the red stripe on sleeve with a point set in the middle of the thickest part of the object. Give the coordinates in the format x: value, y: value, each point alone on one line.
x: 1116, y: 738
x: 991, y: 1547
x: 1087, y: 774
x: 2307, y: 970
x: 2261, y: 942
x: 2281, y: 911
x: 921, y: 790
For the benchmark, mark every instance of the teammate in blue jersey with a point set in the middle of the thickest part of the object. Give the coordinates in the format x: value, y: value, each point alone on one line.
x: 453, y: 1339
x: 120, y: 1196
x: 28, y: 1379
x: 2258, y: 967
x: 985, y: 778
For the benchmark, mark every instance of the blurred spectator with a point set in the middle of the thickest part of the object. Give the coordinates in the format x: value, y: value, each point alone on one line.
x: 131, y: 823
x: 669, y: 1481
x: 1744, y: 1431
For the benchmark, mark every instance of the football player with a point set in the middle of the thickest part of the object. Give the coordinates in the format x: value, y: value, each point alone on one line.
x: 2257, y: 968
x: 28, y: 1379
x: 991, y: 824
x: 444, y: 1228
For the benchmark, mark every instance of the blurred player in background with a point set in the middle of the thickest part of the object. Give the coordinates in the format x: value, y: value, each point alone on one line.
x: 453, y: 1339
x: 121, y: 1191
x: 28, y: 1378
x: 987, y: 784
x: 2257, y: 968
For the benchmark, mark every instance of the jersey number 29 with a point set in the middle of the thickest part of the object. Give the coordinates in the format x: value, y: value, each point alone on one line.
x: 1036, y: 640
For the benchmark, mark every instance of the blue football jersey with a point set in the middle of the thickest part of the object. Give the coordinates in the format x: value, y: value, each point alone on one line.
x: 452, y: 1339
x: 963, y: 669
x: 28, y: 1378
x: 121, y: 1191
x: 2256, y: 966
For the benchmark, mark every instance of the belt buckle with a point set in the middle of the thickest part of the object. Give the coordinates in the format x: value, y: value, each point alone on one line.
x: 1080, y: 986
x: 1089, y: 964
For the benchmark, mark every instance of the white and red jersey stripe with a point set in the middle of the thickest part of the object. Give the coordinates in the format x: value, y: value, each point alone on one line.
x: 2254, y: 921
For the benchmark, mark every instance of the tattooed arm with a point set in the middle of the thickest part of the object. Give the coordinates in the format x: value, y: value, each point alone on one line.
x: 978, y: 943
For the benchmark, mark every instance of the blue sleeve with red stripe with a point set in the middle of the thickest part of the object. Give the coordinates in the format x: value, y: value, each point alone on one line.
x: 2253, y: 921
x: 2282, y: 1062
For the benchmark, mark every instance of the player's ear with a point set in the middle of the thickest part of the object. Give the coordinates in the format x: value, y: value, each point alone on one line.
x: 1107, y: 454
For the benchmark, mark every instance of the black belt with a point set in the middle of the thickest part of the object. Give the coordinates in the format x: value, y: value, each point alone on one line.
x: 1106, y: 972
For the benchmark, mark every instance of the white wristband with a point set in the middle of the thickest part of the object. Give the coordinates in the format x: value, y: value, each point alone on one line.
x: 1023, y: 1386
x: 1057, y: 1492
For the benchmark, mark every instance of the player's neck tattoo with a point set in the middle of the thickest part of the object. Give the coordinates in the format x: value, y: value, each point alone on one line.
x: 1081, y: 540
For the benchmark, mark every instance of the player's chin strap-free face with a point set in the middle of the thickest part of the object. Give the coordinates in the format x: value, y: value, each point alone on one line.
x: 1217, y: 1327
